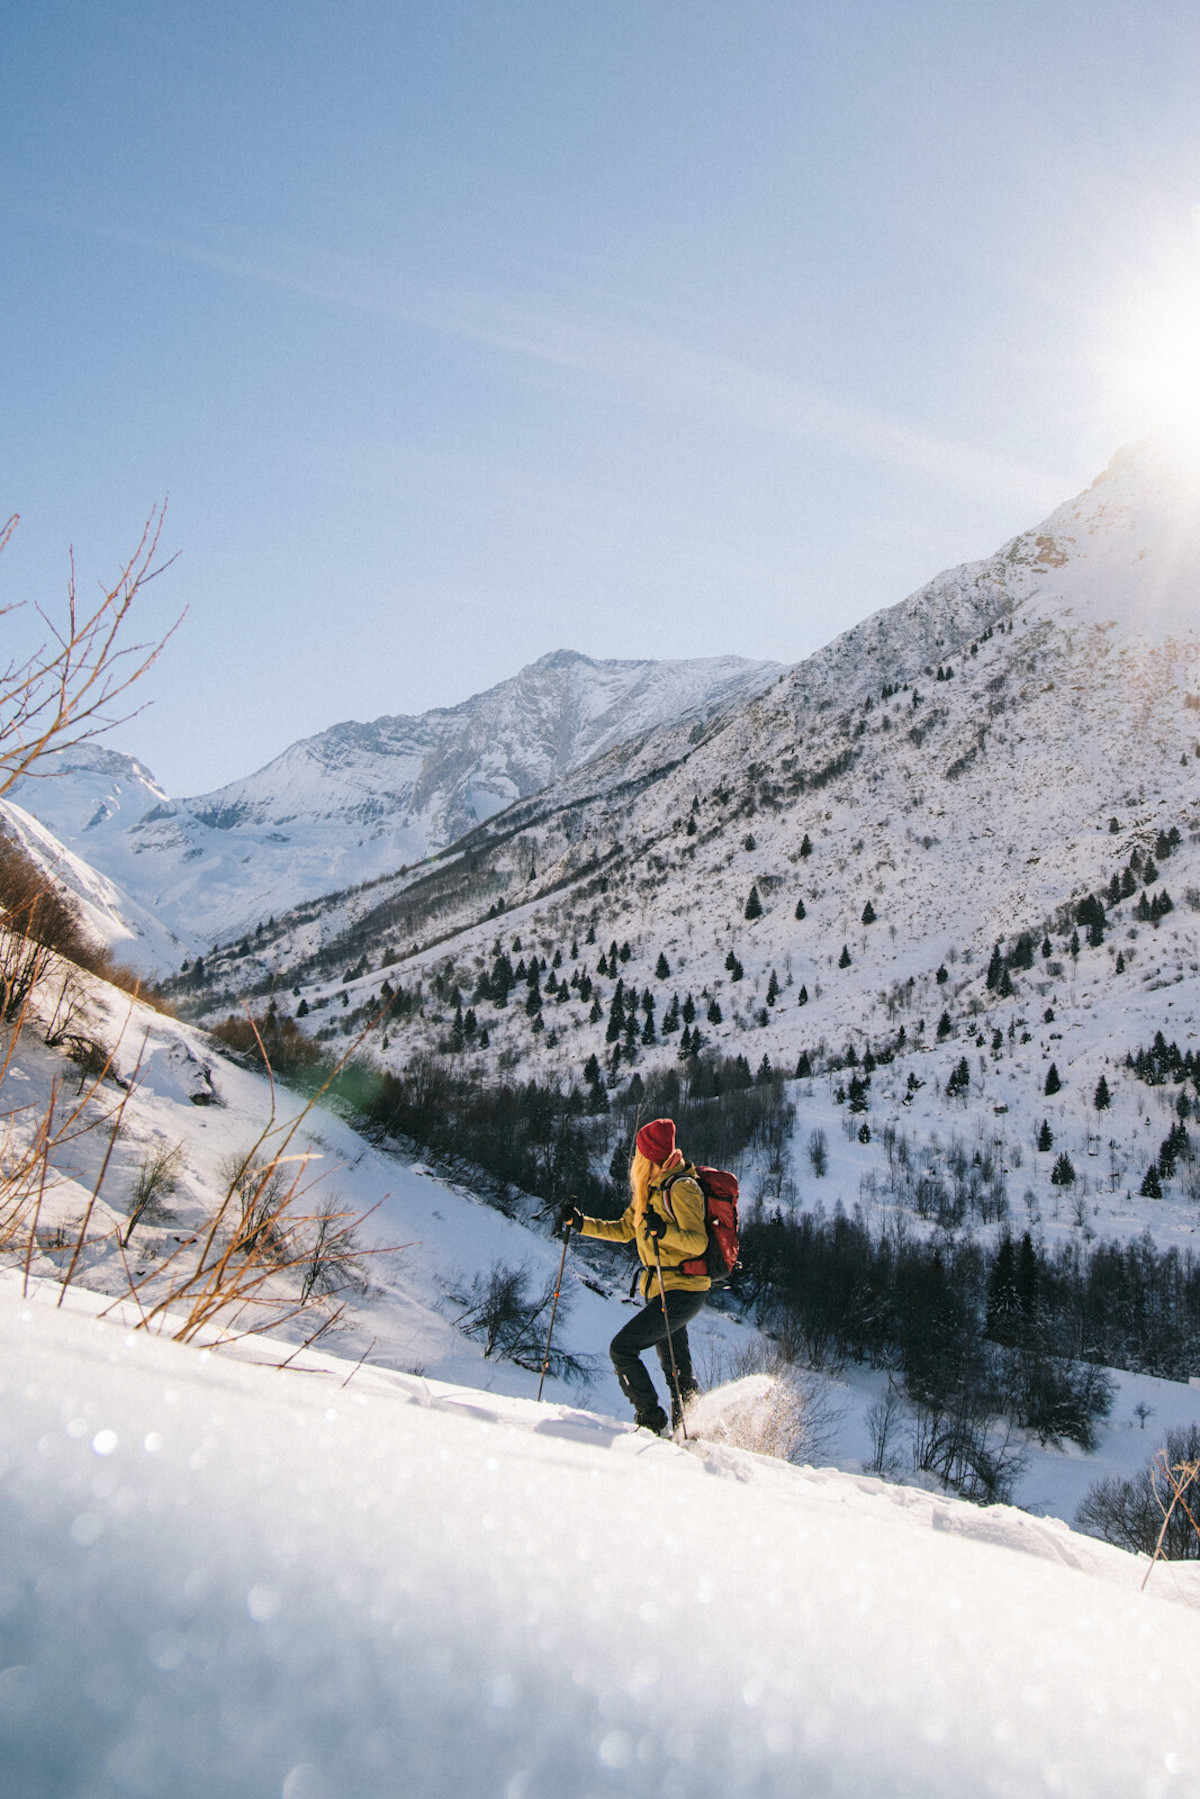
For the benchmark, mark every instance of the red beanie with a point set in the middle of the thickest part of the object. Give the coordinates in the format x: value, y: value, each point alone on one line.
x: 656, y: 1140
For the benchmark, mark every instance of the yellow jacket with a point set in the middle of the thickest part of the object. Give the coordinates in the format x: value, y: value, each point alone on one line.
x: 678, y: 1199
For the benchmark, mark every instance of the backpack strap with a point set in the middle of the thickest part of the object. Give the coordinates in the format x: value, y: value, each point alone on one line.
x: 687, y: 1172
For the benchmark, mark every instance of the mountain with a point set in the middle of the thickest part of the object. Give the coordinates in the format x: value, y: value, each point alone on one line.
x: 358, y: 800
x: 110, y: 914
x: 967, y: 767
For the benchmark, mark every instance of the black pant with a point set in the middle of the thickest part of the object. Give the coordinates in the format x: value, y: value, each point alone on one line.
x: 646, y: 1330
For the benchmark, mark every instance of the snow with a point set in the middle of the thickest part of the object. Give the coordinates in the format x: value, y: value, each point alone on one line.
x: 224, y: 1577
x: 982, y: 812
x: 356, y: 801
x: 111, y: 917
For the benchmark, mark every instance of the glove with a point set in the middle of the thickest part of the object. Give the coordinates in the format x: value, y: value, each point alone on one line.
x: 569, y: 1218
x: 656, y: 1225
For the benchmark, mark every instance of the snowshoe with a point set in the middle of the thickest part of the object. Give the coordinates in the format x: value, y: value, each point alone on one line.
x: 655, y: 1421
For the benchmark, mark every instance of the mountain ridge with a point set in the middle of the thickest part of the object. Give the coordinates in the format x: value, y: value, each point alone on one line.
x: 356, y: 801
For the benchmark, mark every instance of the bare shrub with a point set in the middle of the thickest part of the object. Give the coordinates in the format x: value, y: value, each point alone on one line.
x: 68, y: 1011
x: 329, y: 1252
x: 500, y: 1311
x: 157, y: 1179
x: 1132, y: 1513
x: 64, y: 693
x: 962, y: 1444
x: 884, y: 1421
x: 289, y: 1050
x: 818, y: 1153
x: 257, y: 1182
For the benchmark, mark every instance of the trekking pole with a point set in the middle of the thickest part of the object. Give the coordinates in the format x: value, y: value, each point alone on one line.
x: 662, y: 1293
x: 562, y: 1262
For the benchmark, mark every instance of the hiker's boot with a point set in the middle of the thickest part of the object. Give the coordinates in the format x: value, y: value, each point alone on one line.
x: 655, y: 1421
x: 677, y: 1410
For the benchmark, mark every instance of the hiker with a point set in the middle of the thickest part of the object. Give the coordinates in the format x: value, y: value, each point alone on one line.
x: 666, y: 1211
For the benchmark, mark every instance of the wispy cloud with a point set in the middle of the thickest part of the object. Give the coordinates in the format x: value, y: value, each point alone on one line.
x: 643, y: 363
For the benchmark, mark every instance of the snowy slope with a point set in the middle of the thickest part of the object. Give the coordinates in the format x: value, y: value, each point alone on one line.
x: 223, y: 1578
x: 965, y: 809
x: 358, y: 800
x: 435, y: 1233
x: 110, y: 915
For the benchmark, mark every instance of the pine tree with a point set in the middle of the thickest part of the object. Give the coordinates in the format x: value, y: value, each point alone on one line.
x: 806, y: 846
x: 662, y: 971
x: 616, y: 1014
x: 302, y: 1009
x: 960, y: 1079
x: 868, y: 913
x: 803, y: 1066
x: 1102, y: 1098
x: 766, y: 1074
x: 689, y: 1010
x: 1053, y: 1083
x: 800, y: 912
x: 943, y: 975
x: 1004, y: 986
x: 1151, y: 1187
x: 844, y: 958
x: 753, y: 905
x: 1047, y: 949
x: 772, y: 988
x: 714, y: 1012
x: 944, y: 1027
x: 1028, y: 1279
x: 1003, y: 1304
x: 802, y: 996
x: 1063, y: 1172
x: 994, y: 970
x: 1073, y: 946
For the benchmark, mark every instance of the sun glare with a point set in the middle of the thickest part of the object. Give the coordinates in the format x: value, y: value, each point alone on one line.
x: 1159, y: 362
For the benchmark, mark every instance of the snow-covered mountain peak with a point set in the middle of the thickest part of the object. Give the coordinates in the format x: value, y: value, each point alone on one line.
x: 1126, y: 552
x: 360, y: 800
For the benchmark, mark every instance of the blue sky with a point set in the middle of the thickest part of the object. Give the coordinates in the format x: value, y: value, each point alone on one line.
x: 460, y: 332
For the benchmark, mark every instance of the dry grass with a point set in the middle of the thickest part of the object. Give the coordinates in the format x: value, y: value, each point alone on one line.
x: 275, y: 1249
x: 1176, y: 1486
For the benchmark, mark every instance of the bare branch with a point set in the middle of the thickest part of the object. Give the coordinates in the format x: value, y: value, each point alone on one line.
x: 64, y: 694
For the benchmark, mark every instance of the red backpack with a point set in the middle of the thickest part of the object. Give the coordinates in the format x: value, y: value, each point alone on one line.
x: 720, y: 1190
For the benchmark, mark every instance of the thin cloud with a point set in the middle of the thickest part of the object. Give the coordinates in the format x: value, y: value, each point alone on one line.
x: 643, y: 362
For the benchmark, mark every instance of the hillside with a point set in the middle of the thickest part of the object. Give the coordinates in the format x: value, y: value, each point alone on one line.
x: 356, y: 801
x: 972, y: 763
